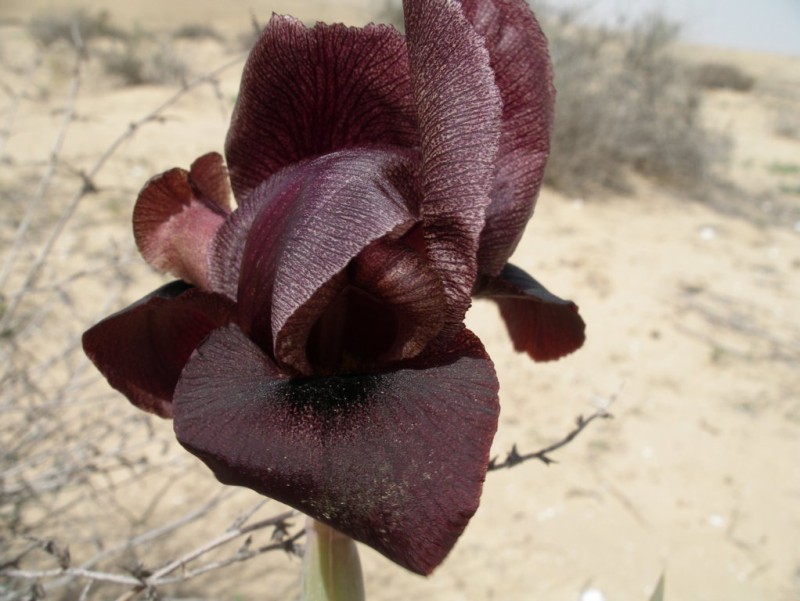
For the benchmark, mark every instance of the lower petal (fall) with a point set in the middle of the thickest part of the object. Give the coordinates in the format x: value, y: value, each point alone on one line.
x: 395, y: 460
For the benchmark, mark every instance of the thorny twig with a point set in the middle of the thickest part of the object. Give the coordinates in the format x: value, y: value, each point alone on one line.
x: 514, y: 457
x: 277, y: 521
x: 46, y: 180
x: 144, y: 579
x: 88, y: 179
x: 50, y: 447
x: 156, y: 532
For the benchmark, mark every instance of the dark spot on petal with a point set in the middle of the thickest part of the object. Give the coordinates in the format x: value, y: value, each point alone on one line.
x: 335, y: 395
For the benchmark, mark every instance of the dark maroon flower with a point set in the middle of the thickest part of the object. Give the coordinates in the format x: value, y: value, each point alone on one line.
x: 314, y: 349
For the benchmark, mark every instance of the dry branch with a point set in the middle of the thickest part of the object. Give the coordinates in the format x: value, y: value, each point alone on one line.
x: 514, y: 457
x: 69, y: 457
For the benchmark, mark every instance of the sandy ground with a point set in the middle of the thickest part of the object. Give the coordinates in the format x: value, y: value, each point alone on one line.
x: 693, y: 342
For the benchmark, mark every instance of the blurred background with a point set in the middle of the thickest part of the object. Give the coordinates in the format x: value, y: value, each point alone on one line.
x: 768, y: 26
x: 670, y: 214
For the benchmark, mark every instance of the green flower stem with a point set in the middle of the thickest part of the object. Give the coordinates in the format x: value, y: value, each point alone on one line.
x: 331, y: 568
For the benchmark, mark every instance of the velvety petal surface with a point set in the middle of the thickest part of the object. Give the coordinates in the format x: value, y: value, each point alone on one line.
x: 394, y: 460
x: 539, y: 323
x: 177, y: 215
x: 458, y: 107
x: 521, y: 63
x: 306, y: 92
x: 304, y: 226
x: 142, y: 349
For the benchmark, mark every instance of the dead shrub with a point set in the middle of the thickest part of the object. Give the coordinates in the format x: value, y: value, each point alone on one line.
x: 197, y: 31
x: 134, y: 57
x: 144, y: 60
x: 88, y: 486
x: 48, y: 29
x: 624, y: 104
x: 786, y: 122
x: 720, y: 76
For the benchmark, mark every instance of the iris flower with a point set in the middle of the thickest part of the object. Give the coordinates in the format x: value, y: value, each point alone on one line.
x: 313, y: 348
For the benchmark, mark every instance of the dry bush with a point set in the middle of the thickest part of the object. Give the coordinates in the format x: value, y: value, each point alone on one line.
x: 786, y: 122
x: 133, y: 57
x: 197, y: 31
x: 721, y: 76
x: 142, y: 59
x: 93, y: 500
x: 50, y: 28
x: 624, y: 105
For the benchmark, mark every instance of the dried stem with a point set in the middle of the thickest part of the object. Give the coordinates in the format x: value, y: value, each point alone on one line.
x: 46, y: 180
x: 278, y: 520
x: 514, y: 457
x: 70, y: 458
x: 88, y: 185
x: 150, y: 580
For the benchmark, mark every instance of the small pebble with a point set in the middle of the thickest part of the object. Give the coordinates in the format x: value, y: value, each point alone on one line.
x: 592, y: 594
x: 708, y: 233
x: 716, y: 521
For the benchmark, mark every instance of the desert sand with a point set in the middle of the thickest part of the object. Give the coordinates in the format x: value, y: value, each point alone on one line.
x: 693, y: 338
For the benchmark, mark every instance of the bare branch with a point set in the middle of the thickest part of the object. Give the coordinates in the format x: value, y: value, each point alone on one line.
x: 72, y: 572
x: 142, y: 579
x: 88, y: 185
x: 158, y: 532
x: 514, y: 457
x: 287, y: 545
x: 47, y: 178
x: 230, y: 535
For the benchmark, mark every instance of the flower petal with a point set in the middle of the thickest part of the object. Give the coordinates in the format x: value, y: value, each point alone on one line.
x: 458, y: 107
x: 307, y: 92
x: 385, y: 307
x: 209, y: 178
x: 539, y: 323
x: 394, y: 460
x: 521, y: 63
x: 177, y: 215
x: 402, y: 278
x: 142, y: 349
x: 302, y: 227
